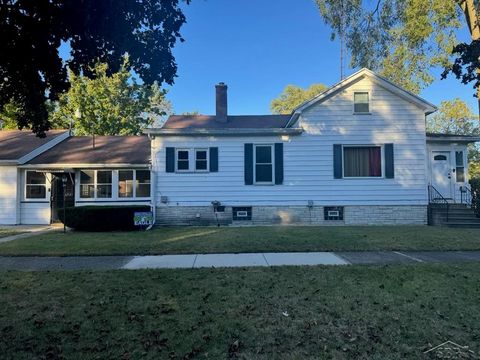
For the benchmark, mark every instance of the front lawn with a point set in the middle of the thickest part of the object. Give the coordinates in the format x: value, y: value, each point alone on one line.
x: 246, y: 239
x: 355, y: 312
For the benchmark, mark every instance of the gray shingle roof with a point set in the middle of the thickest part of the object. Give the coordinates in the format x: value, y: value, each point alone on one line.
x: 108, y: 150
x: 233, y: 122
x: 15, y: 144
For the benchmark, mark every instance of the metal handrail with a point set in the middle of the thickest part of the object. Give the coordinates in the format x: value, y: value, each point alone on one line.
x: 466, y: 196
x: 435, y: 197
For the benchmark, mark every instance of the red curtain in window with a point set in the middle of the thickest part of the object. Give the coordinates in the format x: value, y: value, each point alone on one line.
x: 375, y: 161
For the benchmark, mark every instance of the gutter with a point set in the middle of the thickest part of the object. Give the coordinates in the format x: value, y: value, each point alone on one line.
x: 222, y: 132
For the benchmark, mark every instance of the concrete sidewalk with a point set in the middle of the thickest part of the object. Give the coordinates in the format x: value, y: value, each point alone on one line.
x: 234, y: 260
x: 26, y: 231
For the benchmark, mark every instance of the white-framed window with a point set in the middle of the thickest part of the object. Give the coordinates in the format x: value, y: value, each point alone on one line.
x: 96, y: 184
x: 263, y: 169
x: 35, y: 185
x: 87, y: 184
x: 182, y: 160
x: 192, y: 160
x: 201, y: 159
x: 133, y: 183
x: 361, y: 102
x: 459, y: 166
x: 142, y: 183
x: 362, y: 161
x: 125, y: 183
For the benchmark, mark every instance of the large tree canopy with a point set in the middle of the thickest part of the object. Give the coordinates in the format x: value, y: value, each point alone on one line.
x: 109, y: 104
x: 406, y: 39
x: 292, y: 96
x: 31, y: 70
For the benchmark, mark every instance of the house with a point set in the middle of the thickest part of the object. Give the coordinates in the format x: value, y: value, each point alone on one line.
x: 357, y: 153
x: 104, y: 170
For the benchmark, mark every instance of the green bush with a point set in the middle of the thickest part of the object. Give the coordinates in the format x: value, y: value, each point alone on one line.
x: 475, y: 186
x: 101, y: 218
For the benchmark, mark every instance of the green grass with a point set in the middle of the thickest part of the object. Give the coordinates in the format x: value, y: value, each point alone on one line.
x: 4, y: 232
x: 246, y: 239
x: 355, y: 312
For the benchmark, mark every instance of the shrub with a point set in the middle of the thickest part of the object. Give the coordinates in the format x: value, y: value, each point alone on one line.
x: 475, y: 186
x: 101, y: 218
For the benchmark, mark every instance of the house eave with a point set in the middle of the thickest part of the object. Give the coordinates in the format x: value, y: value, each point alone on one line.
x: 223, y: 132
x: 82, y: 166
x: 452, y: 139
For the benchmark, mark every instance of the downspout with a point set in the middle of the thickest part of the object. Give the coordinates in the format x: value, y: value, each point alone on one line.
x: 153, y: 179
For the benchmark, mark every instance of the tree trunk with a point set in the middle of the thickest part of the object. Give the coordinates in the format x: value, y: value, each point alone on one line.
x: 471, y: 15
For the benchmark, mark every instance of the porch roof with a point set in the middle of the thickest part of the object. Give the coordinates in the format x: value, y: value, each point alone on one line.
x: 435, y: 137
x: 78, y: 151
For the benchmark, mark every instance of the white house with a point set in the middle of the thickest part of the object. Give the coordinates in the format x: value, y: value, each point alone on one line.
x: 357, y: 153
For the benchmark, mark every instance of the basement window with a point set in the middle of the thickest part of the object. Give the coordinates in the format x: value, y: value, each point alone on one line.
x: 333, y: 213
x: 242, y: 213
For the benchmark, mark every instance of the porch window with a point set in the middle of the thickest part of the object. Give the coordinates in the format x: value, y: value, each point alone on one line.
x: 87, y: 184
x: 460, y: 167
x: 104, y: 184
x: 36, y: 185
x: 361, y: 103
x: 362, y: 161
x: 263, y: 164
x: 125, y: 183
x: 142, y: 188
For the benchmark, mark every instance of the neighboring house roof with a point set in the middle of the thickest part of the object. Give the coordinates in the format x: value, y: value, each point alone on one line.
x: 436, y: 137
x: 233, y: 122
x: 17, y: 146
x: 109, y: 150
x: 427, y: 107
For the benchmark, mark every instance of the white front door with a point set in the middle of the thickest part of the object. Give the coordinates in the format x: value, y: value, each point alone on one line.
x: 442, y: 173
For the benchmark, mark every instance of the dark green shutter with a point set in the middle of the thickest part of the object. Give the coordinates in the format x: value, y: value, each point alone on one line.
x: 170, y: 160
x: 337, y: 161
x: 278, y: 163
x: 248, y: 164
x: 213, y: 159
x: 389, y: 164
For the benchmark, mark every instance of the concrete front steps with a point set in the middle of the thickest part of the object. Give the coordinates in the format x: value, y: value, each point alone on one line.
x: 459, y: 216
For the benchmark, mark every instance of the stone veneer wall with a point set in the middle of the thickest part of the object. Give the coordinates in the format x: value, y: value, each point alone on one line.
x: 295, y: 215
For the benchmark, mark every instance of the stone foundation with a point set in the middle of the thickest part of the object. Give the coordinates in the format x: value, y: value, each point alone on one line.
x: 294, y: 215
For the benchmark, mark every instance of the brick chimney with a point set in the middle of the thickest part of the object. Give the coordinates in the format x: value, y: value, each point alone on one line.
x: 221, y: 102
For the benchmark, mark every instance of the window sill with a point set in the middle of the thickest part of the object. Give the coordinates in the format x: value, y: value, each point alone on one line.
x: 362, y: 113
x: 364, y: 178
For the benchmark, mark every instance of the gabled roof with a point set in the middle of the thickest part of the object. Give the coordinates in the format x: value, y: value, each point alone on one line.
x: 427, y: 107
x: 109, y: 150
x: 233, y: 122
x: 17, y: 146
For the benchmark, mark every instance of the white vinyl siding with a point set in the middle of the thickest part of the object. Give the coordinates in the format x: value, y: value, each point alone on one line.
x: 308, y: 158
x: 8, y: 195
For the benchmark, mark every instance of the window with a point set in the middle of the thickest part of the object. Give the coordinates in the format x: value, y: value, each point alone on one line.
x: 36, y: 185
x: 201, y: 160
x: 263, y: 164
x: 87, y: 184
x: 125, y: 183
x: 440, y: 158
x: 104, y: 184
x: 460, y: 167
x: 242, y: 213
x: 192, y: 160
x: 333, y: 213
x: 362, y: 161
x: 183, y: 160
x: 142, y: 186
x: 361, y: 102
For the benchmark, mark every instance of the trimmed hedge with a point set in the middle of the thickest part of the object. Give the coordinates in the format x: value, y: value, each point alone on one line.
x: 101, y: 218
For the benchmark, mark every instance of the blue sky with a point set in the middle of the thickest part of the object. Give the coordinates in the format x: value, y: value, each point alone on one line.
x: 258, y: 47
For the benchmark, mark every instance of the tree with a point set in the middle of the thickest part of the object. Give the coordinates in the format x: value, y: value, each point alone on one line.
x: 109, y: 104
x: 31, y: 70
x: 455, y: 117
x: 403, y: 39
x: 292, y: 96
